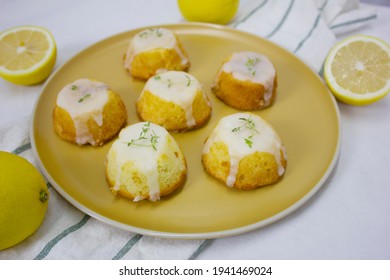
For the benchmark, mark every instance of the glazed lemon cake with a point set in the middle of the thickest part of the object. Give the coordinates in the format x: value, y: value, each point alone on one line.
x: 244, y: 152
x: 246, y: 81
x: 174, y: 100
x: 88, y: 112
x: 145, y: 163
x: 155, y: 50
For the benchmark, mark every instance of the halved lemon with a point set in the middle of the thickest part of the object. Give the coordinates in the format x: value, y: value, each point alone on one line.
x: 27, y: 54
x: 357, y: 69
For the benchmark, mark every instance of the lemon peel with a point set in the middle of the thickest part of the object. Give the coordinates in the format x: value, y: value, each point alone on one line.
x: 212, y: 11
x: 24, y: 199
x: 357, y: 70
x: 27, y: 54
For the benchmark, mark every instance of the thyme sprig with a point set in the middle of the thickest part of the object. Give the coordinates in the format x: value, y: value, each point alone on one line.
x: 158, y: 78
x: 151, y: 31
x: 85, y: 96
x: 251, y: 63
x: 169, y: 82
x: 147, y: 135
x: 248, y: 124
x: 188, y: 81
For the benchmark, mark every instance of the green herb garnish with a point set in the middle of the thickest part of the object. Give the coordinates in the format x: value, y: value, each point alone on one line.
x: 82, y: 98
x: 251, y: 63
x: 73, y: 87
x: 248, y: 124
x: 146, y: 135
x: 150, y: 31
x: 188, y: 81
x: 158, y: 78
x: 169, y: 83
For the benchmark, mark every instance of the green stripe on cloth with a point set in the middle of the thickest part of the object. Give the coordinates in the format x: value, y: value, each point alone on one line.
x: 282, y: 21
x: 22, y: 149
x: 200, y: 249
x: 250, y: 13
x: 301, y: 43
x: 359, y: 20
x: 50, y: 245
x: 323, y: 5
x: 125, y: 249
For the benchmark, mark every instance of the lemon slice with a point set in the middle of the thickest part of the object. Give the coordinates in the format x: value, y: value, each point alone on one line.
x: 27, y: 54
x: 357, y: 70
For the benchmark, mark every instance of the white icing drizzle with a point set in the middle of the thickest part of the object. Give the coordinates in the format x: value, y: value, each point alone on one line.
x: 84, y: 99
x: 263, y: 138
x: 178, y: 87
x: 254, y: 67
x: 142, y: 154
x: 153, y: 38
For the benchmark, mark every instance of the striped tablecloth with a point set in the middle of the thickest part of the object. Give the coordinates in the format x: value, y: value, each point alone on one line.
x: 305, y: 27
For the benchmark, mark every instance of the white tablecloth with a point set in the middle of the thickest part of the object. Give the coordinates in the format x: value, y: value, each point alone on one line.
x: 347, y: 219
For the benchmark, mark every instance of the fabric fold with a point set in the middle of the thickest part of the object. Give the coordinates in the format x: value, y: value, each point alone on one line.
x: 68, y: 233
x: 307, y: 28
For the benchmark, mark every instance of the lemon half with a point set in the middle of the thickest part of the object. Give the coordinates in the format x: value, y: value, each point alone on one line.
x: 27, y: 54
x: 357, y: 70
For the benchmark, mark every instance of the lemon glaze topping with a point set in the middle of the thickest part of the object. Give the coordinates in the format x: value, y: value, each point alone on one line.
x: 84, y: 99
x: 178, y: 87
x: 139, y: 148
x: 254, y: 67
x: 262, y: 138
x: 152, y: 38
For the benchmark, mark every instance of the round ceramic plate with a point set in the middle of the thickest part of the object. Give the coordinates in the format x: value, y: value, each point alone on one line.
x: 305, y: 116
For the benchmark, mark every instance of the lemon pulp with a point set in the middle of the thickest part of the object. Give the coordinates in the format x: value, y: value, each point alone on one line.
x: 27, y: 54
x: 357, y: 70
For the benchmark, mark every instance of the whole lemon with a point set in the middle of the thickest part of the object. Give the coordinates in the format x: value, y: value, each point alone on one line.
x: 23, y: 199
x: 213, y: 11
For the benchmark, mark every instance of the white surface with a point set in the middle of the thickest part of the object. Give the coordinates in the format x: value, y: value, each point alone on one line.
x: 347, y: 219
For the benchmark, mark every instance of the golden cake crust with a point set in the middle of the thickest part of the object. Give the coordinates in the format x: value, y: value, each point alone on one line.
x: 244, y: 152
x: 254, y: 170
x: 171, y: 168
x: 240, y: 94
x: 170, y: 115
x: 148, y: 63
x: 114, y: 118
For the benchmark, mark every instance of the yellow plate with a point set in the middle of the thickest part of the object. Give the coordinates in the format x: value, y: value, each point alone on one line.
x: 305, y: 115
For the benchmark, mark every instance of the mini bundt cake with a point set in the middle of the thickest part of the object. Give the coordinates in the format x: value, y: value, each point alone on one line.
x: 145, y: 163
x: 88, y: 111
x: 246, y: 81
x: 155, y: 50
x: 244, y: 152
x: 174, y: 100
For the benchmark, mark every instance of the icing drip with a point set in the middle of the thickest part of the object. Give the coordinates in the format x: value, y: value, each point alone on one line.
x: 150, y: 39
x: 254, y: 67
x: 141, y: 148
x: 84, y: 99
x: 245, y: 134
x: 178, y: 87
